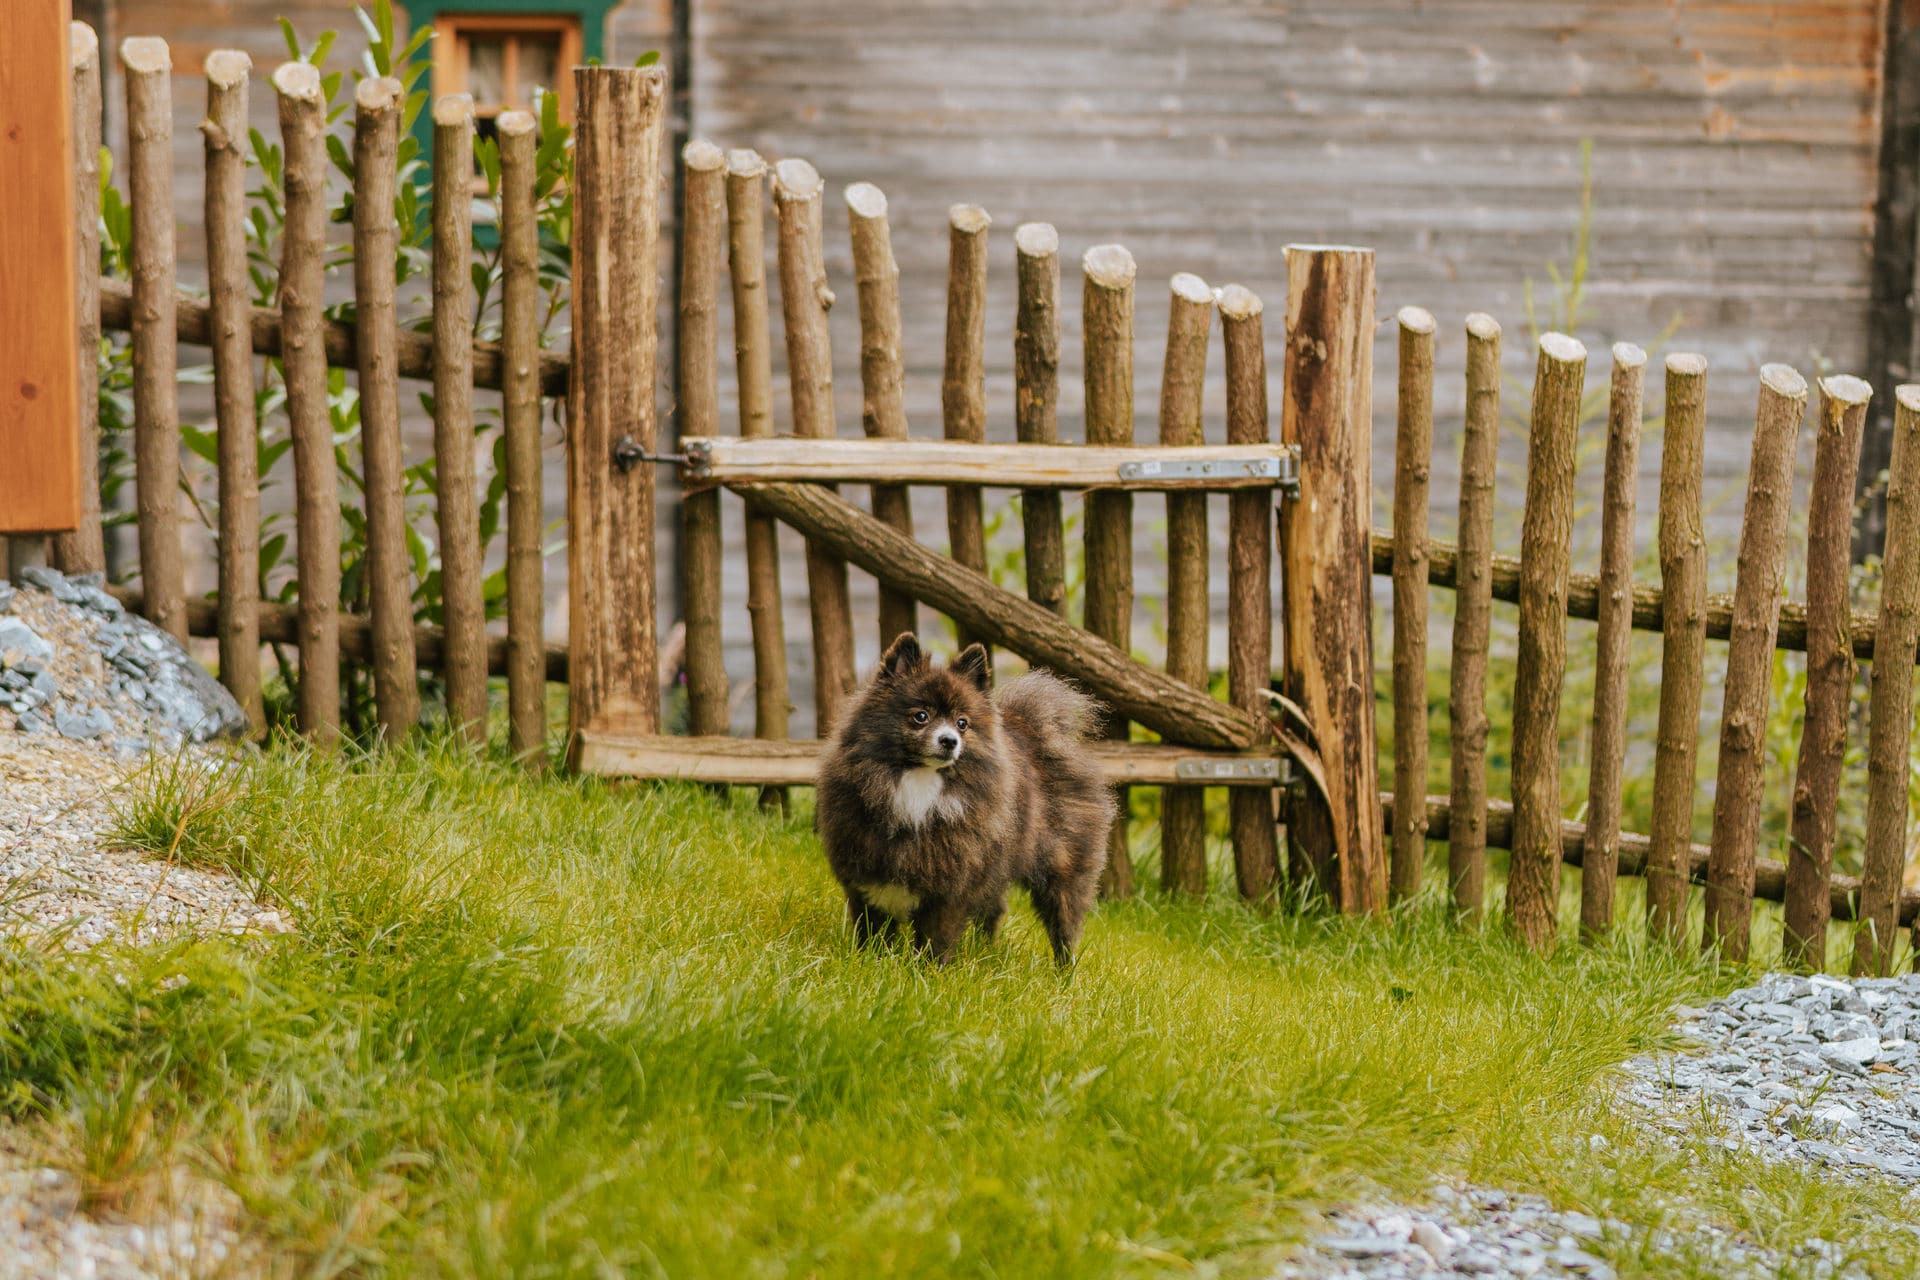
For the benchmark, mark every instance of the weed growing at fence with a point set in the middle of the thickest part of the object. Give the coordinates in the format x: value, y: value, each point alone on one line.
x: 547, y: 1026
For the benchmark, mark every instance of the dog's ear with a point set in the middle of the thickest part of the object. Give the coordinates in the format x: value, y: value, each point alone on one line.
x: 903, y: 657
x: 973, y: 664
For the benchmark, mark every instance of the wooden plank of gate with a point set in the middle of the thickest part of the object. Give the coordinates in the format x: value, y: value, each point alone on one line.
x: 1200, y: 468
x: 39, y: 392
x: 759, y: 762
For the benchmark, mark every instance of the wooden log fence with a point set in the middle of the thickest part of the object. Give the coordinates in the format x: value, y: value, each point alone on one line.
x: 1315, y: 704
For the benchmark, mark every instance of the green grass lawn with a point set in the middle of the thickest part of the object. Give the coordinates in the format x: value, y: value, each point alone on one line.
x: 554, y: 1027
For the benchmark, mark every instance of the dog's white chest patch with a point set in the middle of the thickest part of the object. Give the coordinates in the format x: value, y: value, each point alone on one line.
x: 918, y: 794
x: 894, y: 899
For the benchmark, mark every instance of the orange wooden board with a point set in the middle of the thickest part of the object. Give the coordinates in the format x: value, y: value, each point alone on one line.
x: 39, y: 391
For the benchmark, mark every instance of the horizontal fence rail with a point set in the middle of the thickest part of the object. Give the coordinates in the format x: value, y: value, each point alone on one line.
x: 194, y: 325
x: 1208, y: 468
x: 1646, y: 601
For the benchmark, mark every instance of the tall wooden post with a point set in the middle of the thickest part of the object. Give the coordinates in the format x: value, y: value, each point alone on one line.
x: 1327, y: 588
x: 1546, y: 538
x: 613, y: 661
x: 39, y: 394
x: 84, y: 549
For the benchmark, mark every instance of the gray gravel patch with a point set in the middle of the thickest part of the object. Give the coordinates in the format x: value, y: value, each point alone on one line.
x: 1481, y: 1231
x: 1820, y: 1070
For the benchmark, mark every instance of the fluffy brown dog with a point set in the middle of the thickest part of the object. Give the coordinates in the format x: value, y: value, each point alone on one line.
x: 934, y: 797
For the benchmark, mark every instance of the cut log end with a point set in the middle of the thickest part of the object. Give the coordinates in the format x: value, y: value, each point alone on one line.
x: 796, y: 180
x: 82, y: 44
x: 702, y: 155
x: 513, y: 124
x: 1687, y: 364
x: 227, y: 68
x: 1784, y: 379
x: 1036, y: 240
x: 1415, y: 319
x: 744, y: 162
x: 299, y: 80
x: 383, y: 93
x: 149, y: 55
x: 1907, y: 396
x: 1627, y: 355
x: 1563, y: 348
x: 1846, y: 389
x: 1482, y: 326
x: 1190, y: 288
x: 1109, y: 265
x: 1237, y: 302
x: 864, y: 200
x: 968, y: 219
x: 453, y: 109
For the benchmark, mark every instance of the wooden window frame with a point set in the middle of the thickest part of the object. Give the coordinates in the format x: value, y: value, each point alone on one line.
x: 451, y: 73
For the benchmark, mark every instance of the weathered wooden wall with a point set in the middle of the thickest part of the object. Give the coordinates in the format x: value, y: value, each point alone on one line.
x: 1734, y: 155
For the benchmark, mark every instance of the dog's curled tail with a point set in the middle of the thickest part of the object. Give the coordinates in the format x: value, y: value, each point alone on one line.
x: 1050, y: 709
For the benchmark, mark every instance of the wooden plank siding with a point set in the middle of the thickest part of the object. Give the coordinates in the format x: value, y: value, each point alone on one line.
x: 1734, y: 158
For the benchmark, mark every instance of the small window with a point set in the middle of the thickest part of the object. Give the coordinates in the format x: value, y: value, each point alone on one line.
x: 503, y: 59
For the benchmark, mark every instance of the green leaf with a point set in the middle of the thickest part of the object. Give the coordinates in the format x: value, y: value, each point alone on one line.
x: 647, y: 59
x: 203, y: 442
x: 293, y: 40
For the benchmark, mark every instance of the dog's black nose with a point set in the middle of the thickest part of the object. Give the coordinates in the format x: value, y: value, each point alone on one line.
x: 947, y: 740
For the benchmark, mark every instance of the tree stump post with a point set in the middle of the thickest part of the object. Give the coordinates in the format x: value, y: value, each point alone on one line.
x: 613, y: 658
x: 1326, y: 567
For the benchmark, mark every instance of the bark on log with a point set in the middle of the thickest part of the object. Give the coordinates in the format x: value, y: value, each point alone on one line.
x: 1169, y: 707
x: 703, y: 235
x: 303, y: 256
x: 1249, y: 585
x: 804, y: 300
x: 156, y: 402
x: 1183, y: 810
x: 1413, y: 467
x: 616, y: 231
x: 1823, y: 735
x: 1546, y: 539
x: 1683, y: 580
x: 520, y: 420
x: 1600, y: 857
x: 1473, y: 607
x: 1036, y: 404
x: 1107, y: 321
x: 238, y: 443
x: 1890, y: 707
x: 376, y: 239
x: 83, y: 550
x: 753, y: 368
x: 1749, y: 683
x: 883, y: 411
x: 456, y: 493
x: 1328, y: 593
x: 963, y: 381
x: 193, y: 323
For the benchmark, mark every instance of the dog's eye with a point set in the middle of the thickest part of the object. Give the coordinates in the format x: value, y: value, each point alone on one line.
x: 961, y: 724
x: 919, y: 717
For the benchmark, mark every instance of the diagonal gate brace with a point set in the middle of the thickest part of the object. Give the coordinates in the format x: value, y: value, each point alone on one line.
x: 1176, y: 711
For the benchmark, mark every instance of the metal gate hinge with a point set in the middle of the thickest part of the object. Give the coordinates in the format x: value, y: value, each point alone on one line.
x: 1283, y: 469
x: 629, y: 453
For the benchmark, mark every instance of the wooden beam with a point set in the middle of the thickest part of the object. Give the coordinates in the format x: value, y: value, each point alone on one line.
x: 1201, y: 468
x: 1168, y: 707
x: 1583, y: 598
x: 194, y: 326
x: 758, y: 762
x: 1770, y: 877
x: 40, y: 391
x: 280, y: 624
